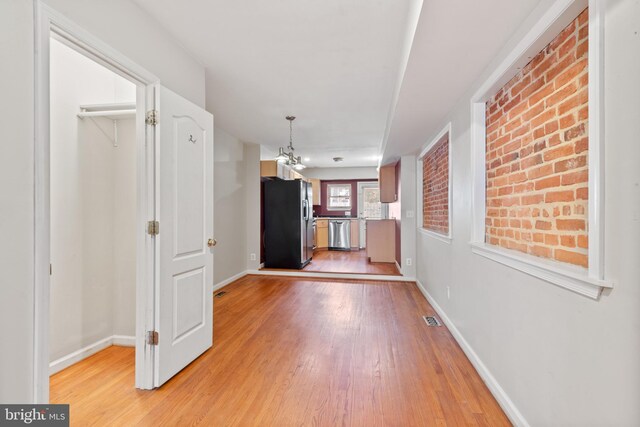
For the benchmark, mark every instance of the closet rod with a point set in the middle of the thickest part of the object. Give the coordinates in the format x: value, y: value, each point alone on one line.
x: 107, y: 113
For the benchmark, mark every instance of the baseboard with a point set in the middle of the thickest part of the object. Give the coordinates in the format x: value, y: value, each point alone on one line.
x: 398, y: 267
x: 124, y: 340
x: 507, y: 405
x: 353, y: 276
x: 225, y: 282
x: 78, y: 355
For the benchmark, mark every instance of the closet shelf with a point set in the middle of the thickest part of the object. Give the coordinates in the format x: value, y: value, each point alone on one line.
x: 111, y: 111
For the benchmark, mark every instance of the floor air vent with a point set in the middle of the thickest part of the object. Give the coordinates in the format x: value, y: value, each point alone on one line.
x: 220, y: 294
x: 431, y: 321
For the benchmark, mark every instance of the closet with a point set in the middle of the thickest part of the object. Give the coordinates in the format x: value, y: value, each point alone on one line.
x: 93, y: 207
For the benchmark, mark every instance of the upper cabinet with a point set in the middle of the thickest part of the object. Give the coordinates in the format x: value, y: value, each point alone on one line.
x: 275, y: 169
x: 388, y: 185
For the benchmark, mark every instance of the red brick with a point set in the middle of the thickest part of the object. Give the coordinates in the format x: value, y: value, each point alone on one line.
x: 544, y: 66
x: 581, y: 145
x: 541, y: 251
x: 559, y: 196
x: 531, y: 161
x: 560, y: 95
x: 571, y: 257
x: 564, y: 35
x: 543, y: 225
x: 582, y: 193
x: 556, y: 153
x: 540, y: 171
x: 582, y: 49
x: 570, y: 73
x: 570, y: 224
x: 583, y: 241
x: 575, y: 177
x: 568, y: 164
x: 541, y: 94
x: 551, y: 239
x: 576, y: 100
x: 552, y: 181
x: 574, y: 132
x: 567, y: 121
x: 517, y: 177
x: 533, y: 199
x: 568, y: 241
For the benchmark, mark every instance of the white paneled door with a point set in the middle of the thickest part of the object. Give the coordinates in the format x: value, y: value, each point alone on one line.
x: 184, y: 191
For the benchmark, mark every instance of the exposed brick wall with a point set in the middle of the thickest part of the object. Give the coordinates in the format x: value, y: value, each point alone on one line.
x: 435, y: 187
x: 537, y: 153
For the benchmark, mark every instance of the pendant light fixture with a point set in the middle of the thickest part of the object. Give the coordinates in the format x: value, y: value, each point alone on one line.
x: 288, y: 157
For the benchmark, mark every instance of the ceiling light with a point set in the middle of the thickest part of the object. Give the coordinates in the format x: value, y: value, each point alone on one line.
x: 282, y: 156
x: 288, y: 157
x: 306, y: 159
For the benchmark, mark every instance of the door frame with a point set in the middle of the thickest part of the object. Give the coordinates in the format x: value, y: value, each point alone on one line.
x: 49, y: 22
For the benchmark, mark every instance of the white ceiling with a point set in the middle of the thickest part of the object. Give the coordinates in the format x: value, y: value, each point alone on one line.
x: 337, y: 65
x: 453, y: 44
x: 331, y: 63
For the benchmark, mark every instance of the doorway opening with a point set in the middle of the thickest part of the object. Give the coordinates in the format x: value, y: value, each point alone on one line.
x: 93, y: 190
x: 341, y: 209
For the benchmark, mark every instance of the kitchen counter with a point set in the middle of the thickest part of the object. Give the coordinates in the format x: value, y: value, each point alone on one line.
x: 334, y: 217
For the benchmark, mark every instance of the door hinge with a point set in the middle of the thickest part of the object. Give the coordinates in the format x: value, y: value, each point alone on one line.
x: 152, y: 337
x: 151, y: 118
x: 153, y: 228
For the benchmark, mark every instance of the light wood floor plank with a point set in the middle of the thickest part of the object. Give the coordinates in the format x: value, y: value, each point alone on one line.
x: 297, y: 351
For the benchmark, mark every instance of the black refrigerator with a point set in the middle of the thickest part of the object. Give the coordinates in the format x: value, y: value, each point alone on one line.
x: 288, y: 224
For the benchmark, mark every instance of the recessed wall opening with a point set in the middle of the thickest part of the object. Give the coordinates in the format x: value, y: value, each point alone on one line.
x: 93, y: 210
x: 339, y: 215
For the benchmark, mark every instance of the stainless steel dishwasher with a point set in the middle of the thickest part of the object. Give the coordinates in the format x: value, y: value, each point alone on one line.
x: 339, y: 235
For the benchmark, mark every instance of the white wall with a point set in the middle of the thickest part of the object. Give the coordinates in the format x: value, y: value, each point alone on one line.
x: 127, y: 28
x: 252, y: 180
x: 93, y: 207
x: 408, y: 222
x: 563, y: 359
x: 229, y: 206
x: 16, y: 202
x: 119, y: 23
x: 341, y: 173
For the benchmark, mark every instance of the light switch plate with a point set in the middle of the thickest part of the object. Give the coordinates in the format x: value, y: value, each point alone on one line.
x: 409, y: 214
x: 252, y: 257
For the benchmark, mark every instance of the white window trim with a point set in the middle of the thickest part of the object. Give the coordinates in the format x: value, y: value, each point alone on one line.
x: 341, y: 208
x: 589, y: 282
x: 446, y: 238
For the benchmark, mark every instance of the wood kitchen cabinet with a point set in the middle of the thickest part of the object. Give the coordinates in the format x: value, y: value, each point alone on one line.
x: 387, y: 182
x: 355, y: 233
x: 273, y: 169
x: 315, y: 186
x: 381, y: 240
x: 322, y: 233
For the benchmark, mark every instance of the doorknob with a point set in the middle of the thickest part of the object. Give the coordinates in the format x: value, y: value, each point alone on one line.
x: 212, y: 242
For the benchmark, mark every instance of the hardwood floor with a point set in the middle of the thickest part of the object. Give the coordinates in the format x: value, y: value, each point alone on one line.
x: 346, y: 262
x: 293, y: 351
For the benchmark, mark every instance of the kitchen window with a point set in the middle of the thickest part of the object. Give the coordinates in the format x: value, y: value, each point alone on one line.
x: 338, y: 196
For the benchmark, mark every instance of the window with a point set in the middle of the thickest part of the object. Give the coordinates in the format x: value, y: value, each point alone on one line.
x: 536, y: 150
x: 435, y: 186
x: 338, y: 196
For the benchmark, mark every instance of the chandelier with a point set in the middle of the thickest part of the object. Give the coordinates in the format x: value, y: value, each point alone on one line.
x: 288, y: 157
